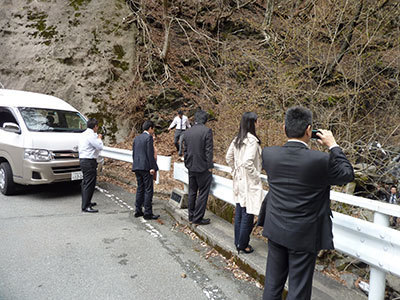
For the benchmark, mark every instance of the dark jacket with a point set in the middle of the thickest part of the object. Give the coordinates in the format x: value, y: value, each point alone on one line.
x: 389, y: 197
x: 143, y: 153
x: 297, y: 214
x: 198, y: 148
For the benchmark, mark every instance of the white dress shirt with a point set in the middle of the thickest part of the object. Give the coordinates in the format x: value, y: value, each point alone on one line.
x: 178, y: 122
x: 298, y: 141
x: 89, y: 145
x: 293, y: 140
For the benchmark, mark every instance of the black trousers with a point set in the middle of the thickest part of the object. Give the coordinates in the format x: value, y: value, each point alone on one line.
x: 243, y: 227
x: 144, y: 192
x: 283, y: 262
x: 199, y: 188
x: 89, y: 170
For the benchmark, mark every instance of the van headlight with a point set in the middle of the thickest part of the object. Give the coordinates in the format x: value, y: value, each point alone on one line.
x: 38, y: 155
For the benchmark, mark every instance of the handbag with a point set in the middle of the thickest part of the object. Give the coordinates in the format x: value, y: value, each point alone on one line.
x: 261, y: 215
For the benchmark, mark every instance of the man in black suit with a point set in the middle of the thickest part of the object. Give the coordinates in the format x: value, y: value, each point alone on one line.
x: 393, y: 198
x: 198, y: 157
x: 297, y: 214
x: 145, y: 166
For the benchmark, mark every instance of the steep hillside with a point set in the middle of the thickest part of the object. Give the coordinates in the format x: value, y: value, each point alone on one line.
x: 123, y: 61
x: 71, y: 49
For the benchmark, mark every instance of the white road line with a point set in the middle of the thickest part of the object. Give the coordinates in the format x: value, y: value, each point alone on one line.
x: 154, y: 232
x: 114, y: 198
x: 150, y: 228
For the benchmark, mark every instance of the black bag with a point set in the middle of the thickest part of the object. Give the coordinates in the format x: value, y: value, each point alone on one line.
x: 261, y: 215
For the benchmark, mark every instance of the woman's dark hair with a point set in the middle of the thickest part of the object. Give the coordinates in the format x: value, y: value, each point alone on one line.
x: 247, y: 124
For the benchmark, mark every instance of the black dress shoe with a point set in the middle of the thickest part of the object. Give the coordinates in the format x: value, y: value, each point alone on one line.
x: 247, y: 250
x: 92, y: 204
x: 138, y: 214
x: 151, y: 217
x: 90, y: 210
x: 202, y: 222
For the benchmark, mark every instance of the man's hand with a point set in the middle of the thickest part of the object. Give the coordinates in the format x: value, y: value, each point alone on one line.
x: 152, y: 171
x: 326, y: 138
x: 99, y: 136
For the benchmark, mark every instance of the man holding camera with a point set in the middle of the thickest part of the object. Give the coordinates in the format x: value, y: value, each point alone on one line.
x: 296, y: 213
x: 90, y: 145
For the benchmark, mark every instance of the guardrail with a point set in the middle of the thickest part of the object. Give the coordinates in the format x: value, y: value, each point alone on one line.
x: 373, y: 243
x: 163, y: 162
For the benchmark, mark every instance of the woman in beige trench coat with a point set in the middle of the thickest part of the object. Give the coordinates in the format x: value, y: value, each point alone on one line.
x: 244, y: 157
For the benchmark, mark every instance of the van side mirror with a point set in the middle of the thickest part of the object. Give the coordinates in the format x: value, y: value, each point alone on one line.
x: 11, y: 127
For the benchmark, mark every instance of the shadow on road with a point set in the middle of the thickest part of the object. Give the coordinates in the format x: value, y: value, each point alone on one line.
x: 50, y: 191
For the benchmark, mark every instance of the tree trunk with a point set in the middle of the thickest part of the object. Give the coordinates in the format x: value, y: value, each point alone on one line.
x: 167, y: 27
x: 267, y: 19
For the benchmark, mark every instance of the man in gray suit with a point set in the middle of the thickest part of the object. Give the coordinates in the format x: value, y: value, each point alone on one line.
x: 144, y: 165
x: 198, y: 156
x: 297, y: 214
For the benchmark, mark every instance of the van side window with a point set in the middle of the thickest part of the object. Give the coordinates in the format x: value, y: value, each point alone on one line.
x: 6, y: 116
x: 52, y: 120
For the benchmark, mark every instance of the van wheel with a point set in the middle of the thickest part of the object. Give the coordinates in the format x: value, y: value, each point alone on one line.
x: 7, y: 185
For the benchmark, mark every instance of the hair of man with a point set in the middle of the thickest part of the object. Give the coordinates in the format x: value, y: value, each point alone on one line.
x: 147, y: 125
x: 297, y: 119
x: 200, y: 117
x: 91, y: 123
x: 247, y: 124
x: 180, y: 113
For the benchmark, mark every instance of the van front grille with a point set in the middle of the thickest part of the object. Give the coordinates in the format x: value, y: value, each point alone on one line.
x: 63, y: 170
x: 65, y: 155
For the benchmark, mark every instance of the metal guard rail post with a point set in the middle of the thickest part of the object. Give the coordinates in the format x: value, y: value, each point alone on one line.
x: 373, y: 243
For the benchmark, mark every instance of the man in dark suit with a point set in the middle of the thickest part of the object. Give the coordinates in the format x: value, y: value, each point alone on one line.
x: 393, y: 198
x: 198, y: 157
x: 297, y: 215
x: 145, y: 166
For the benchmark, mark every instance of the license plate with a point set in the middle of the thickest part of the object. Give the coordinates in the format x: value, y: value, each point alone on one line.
x: 77, y: 175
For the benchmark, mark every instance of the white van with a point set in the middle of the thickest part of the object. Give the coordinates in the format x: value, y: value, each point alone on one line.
x: 39, y: 136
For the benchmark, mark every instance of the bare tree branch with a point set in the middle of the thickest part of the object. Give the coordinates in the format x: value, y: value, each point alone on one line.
x: 347, y: 41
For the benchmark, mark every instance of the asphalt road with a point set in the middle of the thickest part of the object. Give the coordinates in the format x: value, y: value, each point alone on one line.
x: 49, y: 249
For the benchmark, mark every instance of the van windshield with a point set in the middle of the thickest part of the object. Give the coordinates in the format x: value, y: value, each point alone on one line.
x: 41, y: 119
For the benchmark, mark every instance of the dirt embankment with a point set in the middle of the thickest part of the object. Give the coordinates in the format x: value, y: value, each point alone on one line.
x: 73, y: 49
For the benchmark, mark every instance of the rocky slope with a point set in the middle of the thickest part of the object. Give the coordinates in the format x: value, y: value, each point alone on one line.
x: 71, y: 49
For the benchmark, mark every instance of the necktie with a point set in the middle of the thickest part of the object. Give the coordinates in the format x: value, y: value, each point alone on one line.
x: 181, y: 123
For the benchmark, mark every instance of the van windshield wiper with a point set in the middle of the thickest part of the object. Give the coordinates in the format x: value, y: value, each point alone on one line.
x: 59, y: 130
x: 66, y: 130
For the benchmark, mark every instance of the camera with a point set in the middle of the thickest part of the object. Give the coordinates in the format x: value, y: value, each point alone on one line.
x: 103, y: 130
x: 314, y: 135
